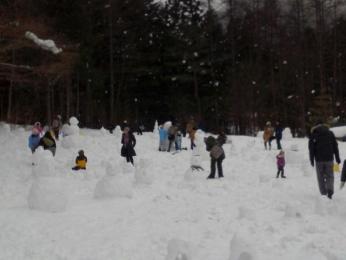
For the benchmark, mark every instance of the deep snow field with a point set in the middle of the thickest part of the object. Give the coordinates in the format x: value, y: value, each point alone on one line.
x: 162, y: 210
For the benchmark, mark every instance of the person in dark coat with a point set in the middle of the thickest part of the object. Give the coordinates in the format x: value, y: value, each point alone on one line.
x: 56, y: 126
x: 343, y: 175
x: 217, y: 155
x: 128, y: 141
x: 278, y: 135
x: 323, y: 147
x: 222, y: 138
x: 48, y: 142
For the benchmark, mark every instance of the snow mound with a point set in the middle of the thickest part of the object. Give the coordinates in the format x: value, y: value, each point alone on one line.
x: 141, y: 174
x: 241, y: 249
x: 44, y: 164
x: 167, y: 125
x: 113, y: 185
x: 73, y: 121
x: 179, y: 250
x: 339, y: 131
x: 5, y: 129
x: 71, y: 141
x: 156, y: 128
x: 47, y: 194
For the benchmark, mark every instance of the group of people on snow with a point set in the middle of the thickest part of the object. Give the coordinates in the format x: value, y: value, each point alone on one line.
x: 323, y: 148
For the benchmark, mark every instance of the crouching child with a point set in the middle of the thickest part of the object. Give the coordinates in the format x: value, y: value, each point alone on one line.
x: 217, y: 155
x: 81, y: 161
x: 34, y: 140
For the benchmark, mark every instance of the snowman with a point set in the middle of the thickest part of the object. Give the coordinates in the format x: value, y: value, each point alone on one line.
x: 47, y: 192
x: 71, y: 134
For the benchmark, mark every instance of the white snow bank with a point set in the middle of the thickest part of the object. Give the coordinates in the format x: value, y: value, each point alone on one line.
x: 48, y: 45
x: 241, y: 248
x: 339, y: 131
x: 179, y: 250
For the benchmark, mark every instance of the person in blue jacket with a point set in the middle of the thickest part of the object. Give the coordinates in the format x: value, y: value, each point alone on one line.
x: 163, y: 139
x: 278, y: 135
x: 34, y: 139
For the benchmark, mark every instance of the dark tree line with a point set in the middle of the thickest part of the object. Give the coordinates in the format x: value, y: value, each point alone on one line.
x: 141, y: 60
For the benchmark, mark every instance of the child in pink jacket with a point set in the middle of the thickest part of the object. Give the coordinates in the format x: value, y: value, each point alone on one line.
x: 280, y: 162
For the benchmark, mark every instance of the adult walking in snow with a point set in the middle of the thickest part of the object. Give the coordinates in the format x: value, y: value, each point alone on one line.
x: 128, y: 141
x: 48, y: 142
x: 217, y: 155
x: 268, y: 135
x: 172, y: 133
x: 323, y: 147
x: 191, y: 131
x: 278, y: 135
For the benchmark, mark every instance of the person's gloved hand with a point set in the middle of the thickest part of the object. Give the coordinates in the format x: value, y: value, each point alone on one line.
x: 338, y: 161
x: 312, y: 163
x: 342, y: 184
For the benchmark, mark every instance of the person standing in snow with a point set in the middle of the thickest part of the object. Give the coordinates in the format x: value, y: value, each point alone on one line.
x: 322, y: 148
x: 163, y: 138
x: 178, y: 141
x: 222, y: 138
x: 268, y: 135
x: 34, y: 139
x: 48, y: 142
x: 128, y: 141
x: 280, y: 162
x: 278, y: 135
x: 56, y: 126
x: 172, y: 132
x: 191, y: 131
x: 217, y: 155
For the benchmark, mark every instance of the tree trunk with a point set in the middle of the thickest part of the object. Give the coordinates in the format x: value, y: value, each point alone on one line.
x: 111, y: 64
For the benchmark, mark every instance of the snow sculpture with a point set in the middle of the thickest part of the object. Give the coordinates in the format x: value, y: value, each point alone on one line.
x: 48, y: 45
x: 71, y: 133
x: 287, y: 134
x: 5, y: 129
x: 179, y: 250
x: 156, y: 128
x: 113, y: 185
x: 47, y: 192
x: 117, y: 131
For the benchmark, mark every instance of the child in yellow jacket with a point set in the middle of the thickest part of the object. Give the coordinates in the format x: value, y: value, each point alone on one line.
x: 81, y: 161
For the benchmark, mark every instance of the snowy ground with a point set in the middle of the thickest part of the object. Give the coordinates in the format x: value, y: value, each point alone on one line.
x: 247, y: 215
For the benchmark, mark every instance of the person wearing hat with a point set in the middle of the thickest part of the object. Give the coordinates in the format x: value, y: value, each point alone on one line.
x: 128, y: 141
x: 81, y: 161
x: 268, y: 135
x: 323, y: 147
x: 34, y: 139
x: 217, y: 155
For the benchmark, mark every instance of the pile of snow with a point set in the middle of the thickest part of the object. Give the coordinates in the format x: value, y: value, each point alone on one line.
x: 113, y: 185
x: 339, y: 131
x: 141, y: 174
x: 5, y: 129
x: 48, y: 45
x: 179, y: 250
x: 241, y: 248
x: 47, y: 192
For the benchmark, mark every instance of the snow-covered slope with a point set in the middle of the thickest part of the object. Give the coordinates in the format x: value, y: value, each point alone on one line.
x: 247, y: 215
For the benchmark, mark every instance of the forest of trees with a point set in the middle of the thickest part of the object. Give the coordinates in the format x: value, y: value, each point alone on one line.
x: 143, y: 60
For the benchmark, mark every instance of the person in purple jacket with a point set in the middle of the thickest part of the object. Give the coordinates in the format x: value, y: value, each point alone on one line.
x: 280, y: 161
